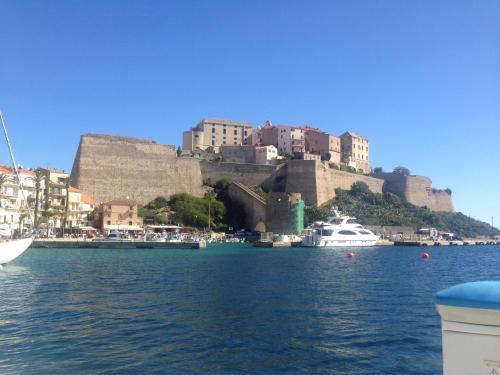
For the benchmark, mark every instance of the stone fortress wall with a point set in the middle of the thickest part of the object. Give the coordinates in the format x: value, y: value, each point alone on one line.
x: 417, y: 190
x: 109, y: 167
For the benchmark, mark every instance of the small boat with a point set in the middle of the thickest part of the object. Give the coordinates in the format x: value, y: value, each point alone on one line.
x: 339, y: 230
x: 115, y: 237
x: 11, y: 249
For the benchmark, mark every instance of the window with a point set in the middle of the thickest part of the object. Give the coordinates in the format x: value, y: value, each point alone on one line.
x: 224, y: 131
x: 213, y: 142
x: 235, y: 132
x: 213, y: 130
x: 109, y: 222
x: 347, y: 232
x: 129, y: 223
x: 246, y: 133
x: 364, y: 232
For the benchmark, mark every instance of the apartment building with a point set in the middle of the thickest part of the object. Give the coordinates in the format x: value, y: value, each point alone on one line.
x: 356, y: 151
x: 214, y: 133
x: 14, y: 201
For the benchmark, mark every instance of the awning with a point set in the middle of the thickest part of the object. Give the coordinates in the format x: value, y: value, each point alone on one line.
x: 163, y: 227
x: 86, y: 228
x: 122, y: 227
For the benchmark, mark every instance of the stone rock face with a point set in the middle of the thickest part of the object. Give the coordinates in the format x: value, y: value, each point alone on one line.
x: 109, y: 167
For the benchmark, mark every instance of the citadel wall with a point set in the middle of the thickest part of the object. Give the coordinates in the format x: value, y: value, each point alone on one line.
x: 247, y: 174
x: 417, y: 190
x: 109, y: 167
x: 317, y: 182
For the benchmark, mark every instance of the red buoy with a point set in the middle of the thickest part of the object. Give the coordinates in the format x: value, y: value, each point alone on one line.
x: 425, y: 255
x: 350, y: 254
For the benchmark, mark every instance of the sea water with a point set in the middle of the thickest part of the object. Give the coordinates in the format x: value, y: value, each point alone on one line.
x: 230, y: 309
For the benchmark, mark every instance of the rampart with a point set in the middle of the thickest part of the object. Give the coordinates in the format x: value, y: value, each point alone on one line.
x: 417, y: 190
x: 247, y: 174
x: 317, y: 182
x: 108, y: 167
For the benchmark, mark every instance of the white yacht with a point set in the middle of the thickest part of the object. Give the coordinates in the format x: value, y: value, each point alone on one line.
x: 338, y: 231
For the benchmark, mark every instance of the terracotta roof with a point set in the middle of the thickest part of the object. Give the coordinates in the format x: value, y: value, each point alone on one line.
x: 121, y: 202
x: 87, y: 199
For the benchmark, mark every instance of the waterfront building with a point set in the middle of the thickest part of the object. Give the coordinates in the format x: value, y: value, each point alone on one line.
x: 80, y: 210
x: 56, y: 189
x: 215, y: 133
x: 14, y: 205
x: 356, y: 151
x: 119, y: 214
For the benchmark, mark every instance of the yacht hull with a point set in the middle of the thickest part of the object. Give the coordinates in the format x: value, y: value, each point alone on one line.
x: 10, y: 250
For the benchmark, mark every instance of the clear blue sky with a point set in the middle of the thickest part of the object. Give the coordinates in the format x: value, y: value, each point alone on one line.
x: 420, y: 79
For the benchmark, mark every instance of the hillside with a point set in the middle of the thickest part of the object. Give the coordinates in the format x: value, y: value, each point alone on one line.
x: 388, y: 209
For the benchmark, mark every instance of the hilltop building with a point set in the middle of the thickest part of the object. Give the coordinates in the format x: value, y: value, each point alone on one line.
x: 214, y: 133
x: 264, y: 155
x: 355, y: 151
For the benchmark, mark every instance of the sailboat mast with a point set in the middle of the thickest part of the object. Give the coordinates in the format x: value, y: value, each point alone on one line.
x: 14, y: 164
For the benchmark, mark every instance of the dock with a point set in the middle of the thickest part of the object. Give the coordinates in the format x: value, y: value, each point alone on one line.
x: 86, y: 244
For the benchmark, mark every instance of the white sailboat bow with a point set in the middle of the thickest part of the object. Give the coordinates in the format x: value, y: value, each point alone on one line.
x: 10, y: 250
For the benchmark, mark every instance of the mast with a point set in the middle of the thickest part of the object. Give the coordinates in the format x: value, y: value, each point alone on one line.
x: 14, y: 164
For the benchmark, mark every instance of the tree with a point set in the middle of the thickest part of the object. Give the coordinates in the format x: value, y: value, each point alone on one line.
x: 360, y: 187
x: 66, y: 206
x: 448, y: 190
x: 179, y: 151
x: 39, y: 177
x: 3, y: 179
x: 157, y: 203
x: 326, y: 157
x: 210, y: 194
x: 401, y: 170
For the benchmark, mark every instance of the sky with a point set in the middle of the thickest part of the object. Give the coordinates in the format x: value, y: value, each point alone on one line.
x: 419, y: 79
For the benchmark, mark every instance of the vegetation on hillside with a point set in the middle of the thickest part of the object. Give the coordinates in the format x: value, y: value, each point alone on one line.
x: 187, y: 210
x: 389, y: 209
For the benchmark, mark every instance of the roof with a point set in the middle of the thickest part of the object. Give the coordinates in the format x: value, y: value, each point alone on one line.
x: 121, y: 202
x: 51, y: 170
x: 73, y: 189
x: 224, y: 122
x: 87, y: 199
x: 352, y: 134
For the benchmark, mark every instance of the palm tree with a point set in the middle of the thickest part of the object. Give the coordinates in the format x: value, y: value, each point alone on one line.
x: 39, y: 177
x: 66, y: 207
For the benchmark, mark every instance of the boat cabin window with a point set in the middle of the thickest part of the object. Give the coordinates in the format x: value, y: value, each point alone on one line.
x: 326, y: 232
x: 347, y: 232
x: 364, y: 232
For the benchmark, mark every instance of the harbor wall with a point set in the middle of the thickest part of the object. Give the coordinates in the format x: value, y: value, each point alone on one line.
x: 110, y: 167
x: 253, y: 204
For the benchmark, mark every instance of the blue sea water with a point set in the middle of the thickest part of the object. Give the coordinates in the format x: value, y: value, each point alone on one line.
x: 230, y: 309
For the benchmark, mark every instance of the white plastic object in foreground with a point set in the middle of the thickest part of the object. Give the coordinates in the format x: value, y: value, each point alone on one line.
x: 470, y: 318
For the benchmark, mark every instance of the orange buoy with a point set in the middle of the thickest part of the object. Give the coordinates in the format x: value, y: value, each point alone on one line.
x: 425, y: 255
x: 350, y: 254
